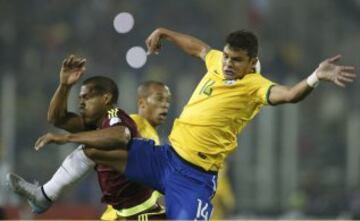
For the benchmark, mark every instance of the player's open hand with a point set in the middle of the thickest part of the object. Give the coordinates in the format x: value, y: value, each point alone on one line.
x: 49, y: 138
x: 72, y: 69
x: 339, y: 75
x: 153, y: 42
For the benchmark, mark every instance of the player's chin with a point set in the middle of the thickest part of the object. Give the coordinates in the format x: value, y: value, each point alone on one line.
x: 160, y: 120
x: 88, y: 120
x: 229, y: 76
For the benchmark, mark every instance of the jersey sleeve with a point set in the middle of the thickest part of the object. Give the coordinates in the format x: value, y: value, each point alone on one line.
x: 213, y: 61
x: 112, y: 122
x: 117, y: 117
x: 262, y: 88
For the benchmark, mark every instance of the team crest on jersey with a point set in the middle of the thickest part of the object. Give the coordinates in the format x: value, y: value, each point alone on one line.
x: 229, y: 82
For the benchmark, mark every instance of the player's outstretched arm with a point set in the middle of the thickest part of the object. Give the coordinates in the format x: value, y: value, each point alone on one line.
x: 187, y: 43
x: 328, y: 70
x: 105, y: 139
x: 71, y: 70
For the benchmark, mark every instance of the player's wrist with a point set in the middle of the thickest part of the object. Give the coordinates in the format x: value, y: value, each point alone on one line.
x: 66, y: 138
x: 65, y: 85
x: 313, y: 80
x: 165, y: 34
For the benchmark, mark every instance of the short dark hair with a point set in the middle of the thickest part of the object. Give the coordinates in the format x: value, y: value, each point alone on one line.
x: 102, y: 85
x: 244, y: 40
x: 143, y: 88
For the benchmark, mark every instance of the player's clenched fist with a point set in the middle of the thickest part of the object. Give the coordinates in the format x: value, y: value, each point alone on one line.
x: 153, y: 42
x: 72, y: 69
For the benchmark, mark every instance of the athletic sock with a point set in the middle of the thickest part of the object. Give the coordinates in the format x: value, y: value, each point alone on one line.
x: 75, y: 167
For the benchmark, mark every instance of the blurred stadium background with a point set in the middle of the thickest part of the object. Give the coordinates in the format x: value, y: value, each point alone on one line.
x: 293, y: 161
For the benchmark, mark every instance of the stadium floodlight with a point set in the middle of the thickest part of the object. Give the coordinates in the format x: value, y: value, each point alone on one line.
x: 123, y: 22
x: 136, y: 57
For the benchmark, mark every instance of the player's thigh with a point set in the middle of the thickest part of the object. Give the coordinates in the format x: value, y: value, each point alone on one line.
x: 187, y: 205
x: 146, y: 163
x: 187, y: 198
x: 115, y: 158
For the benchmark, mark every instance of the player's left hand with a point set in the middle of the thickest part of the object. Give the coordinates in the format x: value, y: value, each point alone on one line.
x: 338, y: 74
x: 49, y: 138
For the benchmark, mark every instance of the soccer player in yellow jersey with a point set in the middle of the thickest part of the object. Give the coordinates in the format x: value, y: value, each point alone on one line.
x: 229, y: 95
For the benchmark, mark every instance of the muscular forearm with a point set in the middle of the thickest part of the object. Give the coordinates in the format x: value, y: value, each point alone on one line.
x: 58, y: 105
x: 189, y: 44
x: 299, y: 91
x: 283, y: 94
x: 104, y: 139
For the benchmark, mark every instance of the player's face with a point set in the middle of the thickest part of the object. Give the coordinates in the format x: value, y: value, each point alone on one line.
x: 92, y: 105
x: 155, y: 107
x: 236, y: 63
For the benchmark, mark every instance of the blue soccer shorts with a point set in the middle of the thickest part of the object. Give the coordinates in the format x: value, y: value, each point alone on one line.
x: 188, y: 190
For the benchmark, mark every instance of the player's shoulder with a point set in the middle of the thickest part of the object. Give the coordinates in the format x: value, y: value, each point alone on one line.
x: 139, y: 121
x: 213, y: 55
x: 117, y: 112
x: 115, y: 116
x: 118, y: 117
x: 256, y: 77
x: 135, y: 117
x: 213, y: 62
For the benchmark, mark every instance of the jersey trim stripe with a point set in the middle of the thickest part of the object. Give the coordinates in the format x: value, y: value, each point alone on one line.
x: 268, y: 95
x: 141, y: 207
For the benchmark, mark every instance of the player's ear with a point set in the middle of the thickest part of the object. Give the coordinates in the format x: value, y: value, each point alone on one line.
x: 253, y: 62
x: 108, y: 98
x: 141, y: 102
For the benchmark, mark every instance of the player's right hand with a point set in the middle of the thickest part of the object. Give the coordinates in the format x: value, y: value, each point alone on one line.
x: 72, y: 69
x: 153, y: 42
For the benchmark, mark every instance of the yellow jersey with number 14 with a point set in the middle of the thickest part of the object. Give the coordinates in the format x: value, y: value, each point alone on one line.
x: 206, y: 131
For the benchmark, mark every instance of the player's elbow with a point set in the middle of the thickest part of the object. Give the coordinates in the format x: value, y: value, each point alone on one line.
x: 52, y: 120
x: 126, y: 136
x: 121, y: 137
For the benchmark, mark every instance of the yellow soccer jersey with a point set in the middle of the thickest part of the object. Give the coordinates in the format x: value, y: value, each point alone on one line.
x: 146, y: 131
x: 206, y: 131
x: 145, y: 128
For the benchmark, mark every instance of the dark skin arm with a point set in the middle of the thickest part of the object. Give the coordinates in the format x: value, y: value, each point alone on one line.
x: 105, y: 139
x: 58, y: 115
